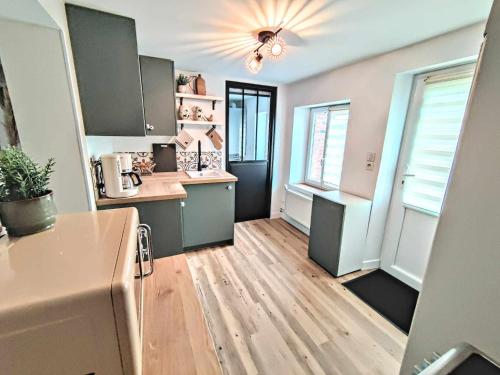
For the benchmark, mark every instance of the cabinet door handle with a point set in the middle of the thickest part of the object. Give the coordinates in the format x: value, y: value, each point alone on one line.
x: 229, y: 187
x: 183, y: 204
x: 139, y: 255
x: 150, y: 127
x: 149, y: 248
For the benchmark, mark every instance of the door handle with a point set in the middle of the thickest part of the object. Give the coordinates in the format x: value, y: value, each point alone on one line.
x: 150, y: 127
x: 405, y: 176
x: 144, y: 228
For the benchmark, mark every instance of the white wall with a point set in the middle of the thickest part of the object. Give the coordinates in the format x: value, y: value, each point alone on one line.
x: 460, y: 296
x: 35, y: 68
x: 369, y: 86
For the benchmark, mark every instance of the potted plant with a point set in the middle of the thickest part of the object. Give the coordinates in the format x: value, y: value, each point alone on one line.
x: 26, y: 204
x: 182, y: 82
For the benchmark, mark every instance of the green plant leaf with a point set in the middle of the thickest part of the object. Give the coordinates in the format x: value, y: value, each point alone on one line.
x: 21, y: 177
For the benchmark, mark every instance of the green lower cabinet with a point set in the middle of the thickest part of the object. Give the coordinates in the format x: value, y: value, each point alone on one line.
x: 208, y: 215
x: 165, y: 220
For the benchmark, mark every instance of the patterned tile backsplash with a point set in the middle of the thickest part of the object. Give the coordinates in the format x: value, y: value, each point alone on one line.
x: 143, y: 162
x: 186, y: 160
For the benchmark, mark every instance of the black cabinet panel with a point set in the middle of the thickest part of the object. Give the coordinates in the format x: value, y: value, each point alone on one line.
x: 252, y: 195
x: 107, y: 68
x: 325, y: 235
x: 158, y: 89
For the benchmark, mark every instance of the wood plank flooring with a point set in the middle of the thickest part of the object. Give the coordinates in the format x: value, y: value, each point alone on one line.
x: 176, y: 338
x: 271, y: 310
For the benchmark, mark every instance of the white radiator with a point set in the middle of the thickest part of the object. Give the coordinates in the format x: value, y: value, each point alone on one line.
x: 298, y: 207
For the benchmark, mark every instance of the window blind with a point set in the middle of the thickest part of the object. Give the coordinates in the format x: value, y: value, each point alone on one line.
x: 335, y: 145
x: 319, y: 120
x: 438, y: 127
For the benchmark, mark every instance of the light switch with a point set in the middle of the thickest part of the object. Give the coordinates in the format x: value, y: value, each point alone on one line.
x: 370, y: 156
x: 370, y: 161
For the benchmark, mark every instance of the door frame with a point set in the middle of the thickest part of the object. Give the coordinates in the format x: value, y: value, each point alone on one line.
x: 272, y: 125
x: 392, y: 233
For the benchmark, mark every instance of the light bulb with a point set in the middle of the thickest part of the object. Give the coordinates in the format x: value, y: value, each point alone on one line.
x: 254, y: 62
x: 276, y: 47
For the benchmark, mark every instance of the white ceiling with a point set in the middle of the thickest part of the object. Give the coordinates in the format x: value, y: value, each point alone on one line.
x: 215, y: 36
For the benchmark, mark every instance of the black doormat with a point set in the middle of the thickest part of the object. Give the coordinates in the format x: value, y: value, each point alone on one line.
x: 474, y: 365
x: 390, y: 297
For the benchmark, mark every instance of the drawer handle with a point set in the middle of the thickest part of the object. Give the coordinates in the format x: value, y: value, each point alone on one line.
x: 229, y: 187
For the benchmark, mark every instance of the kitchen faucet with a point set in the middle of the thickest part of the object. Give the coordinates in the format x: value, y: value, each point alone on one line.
x: 200, y: 166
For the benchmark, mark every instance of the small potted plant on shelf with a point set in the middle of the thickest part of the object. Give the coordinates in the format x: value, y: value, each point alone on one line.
x: 26, y: 204
x: 182, y: 83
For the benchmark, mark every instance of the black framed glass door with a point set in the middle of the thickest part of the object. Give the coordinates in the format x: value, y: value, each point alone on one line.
x: 250, y: 121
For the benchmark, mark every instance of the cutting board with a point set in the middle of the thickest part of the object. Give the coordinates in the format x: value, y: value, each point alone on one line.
x: 164, y: 157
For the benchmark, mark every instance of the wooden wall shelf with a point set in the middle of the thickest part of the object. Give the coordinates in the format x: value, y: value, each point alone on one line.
x: 194, y: 122
x: 208, y: 98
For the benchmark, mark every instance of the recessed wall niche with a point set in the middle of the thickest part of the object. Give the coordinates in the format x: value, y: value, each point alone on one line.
x: 8, y: 129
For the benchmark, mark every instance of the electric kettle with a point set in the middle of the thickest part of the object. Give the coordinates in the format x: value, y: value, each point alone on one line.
x: 119, y: 179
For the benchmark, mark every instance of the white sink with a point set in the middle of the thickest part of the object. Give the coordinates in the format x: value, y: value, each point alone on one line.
x: 211, y: 173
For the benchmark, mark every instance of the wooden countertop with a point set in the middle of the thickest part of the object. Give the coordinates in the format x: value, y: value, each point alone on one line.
x: 163, y: 186
x: 176, y: 336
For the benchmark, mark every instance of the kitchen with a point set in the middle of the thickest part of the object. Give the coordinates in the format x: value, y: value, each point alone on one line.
x: 213, y: 200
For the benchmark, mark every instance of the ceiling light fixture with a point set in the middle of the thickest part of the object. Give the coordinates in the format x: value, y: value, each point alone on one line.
x: 275, y: 46
x: 254, y: 62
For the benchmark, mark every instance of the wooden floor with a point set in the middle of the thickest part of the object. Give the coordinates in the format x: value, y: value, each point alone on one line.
x: 176, y: 337
x: 271, y: 310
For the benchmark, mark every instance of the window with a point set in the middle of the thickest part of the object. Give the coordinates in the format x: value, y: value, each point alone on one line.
x: 327, y: 135
x: 440, y: 111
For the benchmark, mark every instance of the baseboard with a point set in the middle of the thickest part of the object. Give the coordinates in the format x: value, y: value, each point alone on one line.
x: 371, y: 263
x: 405, y: 277
x: 295, y: 223
x: 276, y: 215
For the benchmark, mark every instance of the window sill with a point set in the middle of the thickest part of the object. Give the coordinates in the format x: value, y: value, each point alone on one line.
x: 307, y: 189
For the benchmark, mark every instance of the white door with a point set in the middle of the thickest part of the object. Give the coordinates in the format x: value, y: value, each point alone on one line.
x: 427, y: 152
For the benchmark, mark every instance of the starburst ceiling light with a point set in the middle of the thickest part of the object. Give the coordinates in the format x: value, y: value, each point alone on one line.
x: 275, y: 47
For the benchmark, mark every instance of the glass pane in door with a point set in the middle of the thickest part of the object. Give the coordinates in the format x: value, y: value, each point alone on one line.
x: 235, y: 123
x: 262, y: 130
x: 249, y: 124
x: 438, y: 129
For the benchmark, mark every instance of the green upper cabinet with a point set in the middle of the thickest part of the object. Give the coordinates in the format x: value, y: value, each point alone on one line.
x: 208, y: 214
x: 158, y: 90
x: 107, y: 68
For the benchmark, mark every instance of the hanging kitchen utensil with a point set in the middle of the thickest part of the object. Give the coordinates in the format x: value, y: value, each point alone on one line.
x: 184, y: 139
x: 215, y: 138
